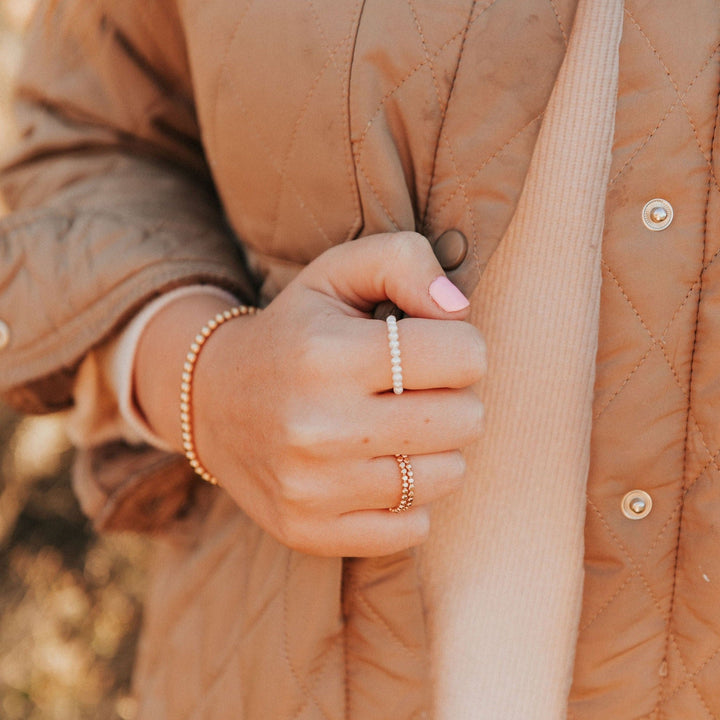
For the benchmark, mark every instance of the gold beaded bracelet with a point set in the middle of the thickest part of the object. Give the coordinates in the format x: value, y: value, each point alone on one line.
x: 191, y: 359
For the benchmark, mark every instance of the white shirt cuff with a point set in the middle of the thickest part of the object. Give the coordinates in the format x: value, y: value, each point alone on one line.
x: 105, y: 408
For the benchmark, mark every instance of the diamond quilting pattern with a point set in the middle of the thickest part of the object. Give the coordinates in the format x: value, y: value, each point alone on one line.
x: 431, y: 165
x: 666, y: 565
x: 402, y: 128
x: 477, y: 176
x: 280, y: 112
x: 429, y: 172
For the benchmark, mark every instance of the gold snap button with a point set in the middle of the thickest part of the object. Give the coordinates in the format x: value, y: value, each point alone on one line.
x: 657, y: 214
x: 4, y: 334
x: 636, y: 505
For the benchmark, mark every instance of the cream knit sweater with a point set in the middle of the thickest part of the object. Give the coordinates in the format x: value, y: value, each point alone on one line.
x: 503, y: 572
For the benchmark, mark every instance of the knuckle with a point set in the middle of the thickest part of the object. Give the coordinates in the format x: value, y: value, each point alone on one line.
x: 476, y: 418
x: 298, y: 435
x: 306, y: 434
x: 406, y: 244
x: 293, y: 493
x: 292, y: 532
x: 473, y: 358
x: 477, y: 352
x: 311, y: 354
x: 448, y: 477
x: 455, y: 474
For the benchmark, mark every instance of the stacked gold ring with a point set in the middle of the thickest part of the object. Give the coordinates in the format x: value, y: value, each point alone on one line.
x: 408, y: 484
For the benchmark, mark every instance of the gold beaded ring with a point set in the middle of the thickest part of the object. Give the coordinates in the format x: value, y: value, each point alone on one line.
x: 408, y: 484
x: 186, y: 426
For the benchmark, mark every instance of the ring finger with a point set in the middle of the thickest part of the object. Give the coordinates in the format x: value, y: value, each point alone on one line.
x: 379, y: 482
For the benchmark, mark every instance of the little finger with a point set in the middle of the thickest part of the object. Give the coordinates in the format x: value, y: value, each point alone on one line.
x: 369, y: 533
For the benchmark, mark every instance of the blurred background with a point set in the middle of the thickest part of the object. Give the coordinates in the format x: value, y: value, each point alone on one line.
x: 70, y: 601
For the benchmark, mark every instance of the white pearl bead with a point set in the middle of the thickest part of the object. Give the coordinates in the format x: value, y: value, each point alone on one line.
x: 394, y: 344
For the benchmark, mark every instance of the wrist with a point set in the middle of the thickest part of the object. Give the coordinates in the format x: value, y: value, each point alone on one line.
x: 187, y: 413
x: 160, y: 357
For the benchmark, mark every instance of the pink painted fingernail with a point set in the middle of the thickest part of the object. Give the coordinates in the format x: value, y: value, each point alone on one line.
x: 447, y: 296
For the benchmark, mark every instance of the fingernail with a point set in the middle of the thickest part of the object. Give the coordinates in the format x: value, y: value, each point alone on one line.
x: 447, y: 296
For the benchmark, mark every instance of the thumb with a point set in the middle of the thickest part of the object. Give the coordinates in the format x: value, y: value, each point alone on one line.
x: 399, y: 267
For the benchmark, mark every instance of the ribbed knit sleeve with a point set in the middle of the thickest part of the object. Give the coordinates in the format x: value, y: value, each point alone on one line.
x: 503, y: 569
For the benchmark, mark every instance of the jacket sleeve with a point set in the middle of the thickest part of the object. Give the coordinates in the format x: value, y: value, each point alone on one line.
x: 112, y: 202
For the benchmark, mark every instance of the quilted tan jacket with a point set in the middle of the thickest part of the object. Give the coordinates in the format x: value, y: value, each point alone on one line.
x: 316, y: 122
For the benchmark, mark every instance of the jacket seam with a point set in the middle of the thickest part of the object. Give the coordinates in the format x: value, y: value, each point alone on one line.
x: 563, y: 32
x: 345, y: 594
x: 445, y: 111
x: 350, y: 164
x: 485, y: 161
x: 673, y: 595
x: 344, y: 48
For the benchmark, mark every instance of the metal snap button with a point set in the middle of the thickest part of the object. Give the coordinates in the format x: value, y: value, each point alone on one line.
x: 636, y: 505
x: 4, y: 334
x: 657, y: 214
x: 451, y: 249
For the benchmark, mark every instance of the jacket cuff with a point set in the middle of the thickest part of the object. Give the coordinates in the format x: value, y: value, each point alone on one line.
x: 73, y: 276
x: 122, y: 487
x: 105, y: 413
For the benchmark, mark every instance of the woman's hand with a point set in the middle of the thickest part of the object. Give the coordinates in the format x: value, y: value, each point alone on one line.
x: 293, y: 410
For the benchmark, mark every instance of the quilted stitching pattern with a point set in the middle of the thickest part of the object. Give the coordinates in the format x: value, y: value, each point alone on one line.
x: 646, y: 583
x: 427, y: 171
x: 401, y: 120
x: 410, y: 160
x: 249, y: 618
x: 276, y: 133
x: 394, y: 156
x: 381, y: 640
x: 339, y: 134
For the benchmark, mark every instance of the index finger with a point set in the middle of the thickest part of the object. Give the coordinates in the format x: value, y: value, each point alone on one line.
x: 400, y: 267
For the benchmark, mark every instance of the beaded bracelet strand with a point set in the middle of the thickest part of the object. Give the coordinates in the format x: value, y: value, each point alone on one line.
x: 191, y: 359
